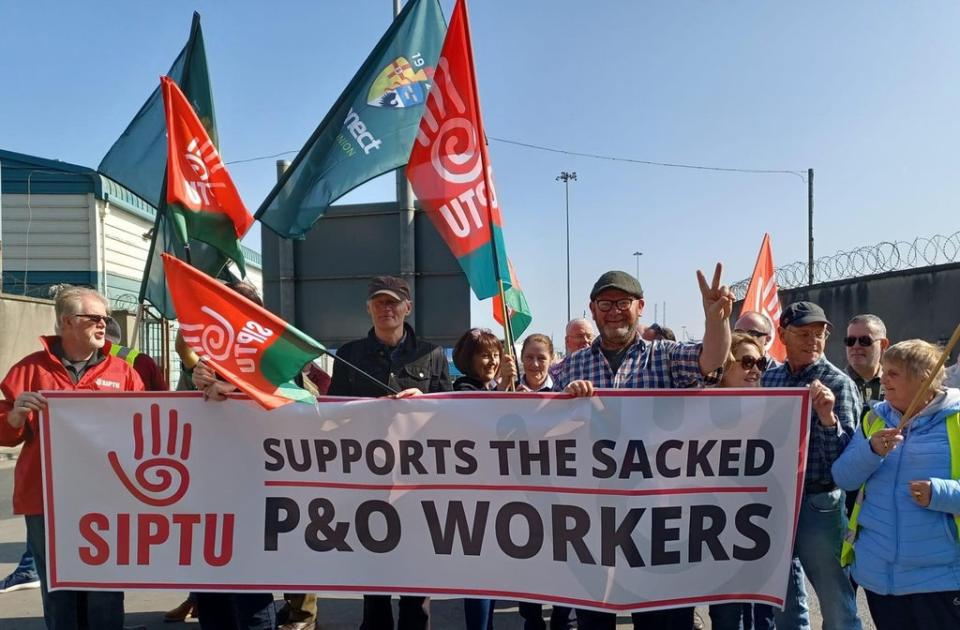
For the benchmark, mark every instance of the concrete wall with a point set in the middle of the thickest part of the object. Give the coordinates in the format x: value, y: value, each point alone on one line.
x: 919, y: 303
x: 23, y: 320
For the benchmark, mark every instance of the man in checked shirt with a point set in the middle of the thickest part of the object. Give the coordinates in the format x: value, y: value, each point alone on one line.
x: 620, y: 358
x: 836, y: 404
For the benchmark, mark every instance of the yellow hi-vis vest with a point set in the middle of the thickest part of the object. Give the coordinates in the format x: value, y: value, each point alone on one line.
x: 870, y: 425
x: 122, y: 352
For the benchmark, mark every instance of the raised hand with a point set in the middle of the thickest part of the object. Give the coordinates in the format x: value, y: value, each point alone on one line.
x: 717, y: 298
x: 158, y: 489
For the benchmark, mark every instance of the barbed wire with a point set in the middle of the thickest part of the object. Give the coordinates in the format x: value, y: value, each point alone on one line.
x: 867, y: 260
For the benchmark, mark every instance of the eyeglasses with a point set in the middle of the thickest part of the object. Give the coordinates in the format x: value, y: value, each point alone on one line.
x: 756, y: 334
x: 94, y: 319
x: 809, y: 336
x: 864, y: 340
x: 622, y: 305
x: 747, y: 363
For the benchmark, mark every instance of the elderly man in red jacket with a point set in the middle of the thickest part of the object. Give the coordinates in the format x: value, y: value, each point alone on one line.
x: 73, y: 359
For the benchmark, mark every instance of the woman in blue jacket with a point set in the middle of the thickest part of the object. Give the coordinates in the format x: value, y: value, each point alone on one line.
x: 906, y: 549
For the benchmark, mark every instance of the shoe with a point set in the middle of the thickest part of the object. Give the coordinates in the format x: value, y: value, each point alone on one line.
x: 299, y: 625
x: 18, y: 581
x: 187, y: 609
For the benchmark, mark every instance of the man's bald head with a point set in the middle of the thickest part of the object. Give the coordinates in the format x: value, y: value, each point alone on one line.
x: 579, y: 335
x: 756, y: 323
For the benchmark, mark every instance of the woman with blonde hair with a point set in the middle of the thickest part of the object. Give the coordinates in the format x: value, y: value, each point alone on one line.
x: 903, y: 534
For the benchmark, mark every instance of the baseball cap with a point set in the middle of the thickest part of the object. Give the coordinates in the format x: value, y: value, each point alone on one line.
x: 803, y: 313
x: 389, y: 285
x: 617, y: 280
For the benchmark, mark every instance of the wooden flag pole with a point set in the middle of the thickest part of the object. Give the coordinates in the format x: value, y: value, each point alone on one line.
x: 507, y: 334
x: 915, y: 403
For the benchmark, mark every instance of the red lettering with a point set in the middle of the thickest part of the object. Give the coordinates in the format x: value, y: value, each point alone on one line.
x: 99, y: 551
x: 123, y: 539
x: 152, y: 529
x: 226, y: 540
x: 186, y: 522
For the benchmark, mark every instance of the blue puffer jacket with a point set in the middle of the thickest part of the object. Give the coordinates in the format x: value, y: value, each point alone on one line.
x: 901, y: 547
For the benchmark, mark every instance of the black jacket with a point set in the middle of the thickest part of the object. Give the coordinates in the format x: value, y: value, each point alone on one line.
x: 413, y: 363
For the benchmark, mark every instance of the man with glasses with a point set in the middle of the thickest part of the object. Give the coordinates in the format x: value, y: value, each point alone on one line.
x: 578, y: 335
x: 760, y: 327
x: 73, y: 359
x: 835, y: 407
x: 865, y: 341
x: 620, y: 358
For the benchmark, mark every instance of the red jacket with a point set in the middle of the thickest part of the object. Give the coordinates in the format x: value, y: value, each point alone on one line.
x: 44, y: 371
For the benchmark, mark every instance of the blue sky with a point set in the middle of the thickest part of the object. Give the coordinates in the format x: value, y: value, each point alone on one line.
x: 863, y: 92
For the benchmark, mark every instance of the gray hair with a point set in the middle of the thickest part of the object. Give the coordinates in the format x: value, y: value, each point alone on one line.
x: 69, y: 300
x: 577, y: 321
x: 871, y: 321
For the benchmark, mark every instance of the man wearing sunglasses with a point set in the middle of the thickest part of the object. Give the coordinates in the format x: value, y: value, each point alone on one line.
x: 835, y: 407
x: 760, y: 327
x: 620, y: 358
x: 73, y: 359
x: 865, y: 342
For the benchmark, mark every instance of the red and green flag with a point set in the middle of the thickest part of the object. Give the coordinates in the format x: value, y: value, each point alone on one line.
x: 449, y: 167
x: 517, y: 308
x: 204, y: 202
x: 245, y: 343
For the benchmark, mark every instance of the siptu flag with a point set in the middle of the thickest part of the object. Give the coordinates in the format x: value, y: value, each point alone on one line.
x: 246, y: 344
x: 370, y: 128
x: 203, y: 201
x: 517, y: 308
x: 449, y: 167
x: 138, y: 160
x: 762, y: 296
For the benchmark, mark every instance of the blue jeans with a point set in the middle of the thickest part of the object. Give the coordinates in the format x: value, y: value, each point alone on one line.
x: 70, y: 610
x: 27, y: 567
x: 741, y: 616
x: 819, y: 534
x: 478, y: 613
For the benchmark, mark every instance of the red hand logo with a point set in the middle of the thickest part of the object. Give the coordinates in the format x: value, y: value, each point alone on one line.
x: 163, y: 471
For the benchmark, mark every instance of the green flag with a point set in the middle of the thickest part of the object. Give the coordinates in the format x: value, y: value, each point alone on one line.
x: 138, y: 161
x: 369, y: 130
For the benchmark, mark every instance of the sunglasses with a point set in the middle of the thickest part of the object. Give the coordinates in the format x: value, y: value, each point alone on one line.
x: 747, y: 363
x: 94, y: 319
x: 864, y: 340
x: 756, y: 334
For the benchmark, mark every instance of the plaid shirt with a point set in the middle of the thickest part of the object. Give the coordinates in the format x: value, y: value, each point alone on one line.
x: 658, y: 364
x: 826, y: 443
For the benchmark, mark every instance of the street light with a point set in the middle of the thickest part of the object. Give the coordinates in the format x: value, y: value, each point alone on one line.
x: 637, y: 255
x: 566, y: 177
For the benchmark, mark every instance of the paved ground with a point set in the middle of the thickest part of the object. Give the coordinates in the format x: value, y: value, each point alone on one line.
x: 21, y: 610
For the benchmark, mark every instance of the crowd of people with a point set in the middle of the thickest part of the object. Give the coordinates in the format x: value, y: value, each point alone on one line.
x: 881, y: 499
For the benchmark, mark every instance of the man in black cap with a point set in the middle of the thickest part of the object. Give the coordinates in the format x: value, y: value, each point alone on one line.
x: 621, y: 358
x: 391, y: 354
x: 835, y: 403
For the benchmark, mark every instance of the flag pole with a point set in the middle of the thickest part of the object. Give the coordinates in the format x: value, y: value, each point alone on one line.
x: 925, y: 387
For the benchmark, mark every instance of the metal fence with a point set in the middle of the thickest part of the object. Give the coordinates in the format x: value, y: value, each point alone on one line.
x: 867, y: 260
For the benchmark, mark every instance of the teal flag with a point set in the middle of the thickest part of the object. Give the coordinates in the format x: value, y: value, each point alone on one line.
x: 369, y: 131
x: 138, y: 160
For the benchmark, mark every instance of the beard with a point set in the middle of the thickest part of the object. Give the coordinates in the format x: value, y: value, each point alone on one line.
x: 619, y: 333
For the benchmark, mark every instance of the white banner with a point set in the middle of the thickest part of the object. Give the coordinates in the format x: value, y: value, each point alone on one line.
x: 630, y: 500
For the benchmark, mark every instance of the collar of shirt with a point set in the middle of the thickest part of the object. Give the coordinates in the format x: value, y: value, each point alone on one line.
x: 76, y: 369
x: 546, y: 387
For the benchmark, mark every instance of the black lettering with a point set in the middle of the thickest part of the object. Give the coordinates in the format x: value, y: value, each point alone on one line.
x: 565, y: 533
x: 273, y: 525
x: 389, y: 459
x: 635, y: 458
x: 566, y: 454
x: 351, y: 453
x: 410, y: 453
x: 660, y: 535
x: 306, y: 462
x: 729, y: 457
x: 455, y: 526
x: 528, y: 456
x: 701, y: 533
x: 440, y: 449
x: 697, y: 458
x: 662, y: 468
x: 271, y: 447
x: 319, y: 536
x: 463, y: 449
x: 503, y: 454
x: 534, y: 527
x: 392, y: 537
x: 615, y: 535
x: 755, y: 533
x: 600, y: 455
x: 326, y: 451
x: 750, y: 466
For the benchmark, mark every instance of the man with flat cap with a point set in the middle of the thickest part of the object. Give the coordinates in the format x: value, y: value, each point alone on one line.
x: 835, y: 403
x: 621, y: 358
x: 391, y: 354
